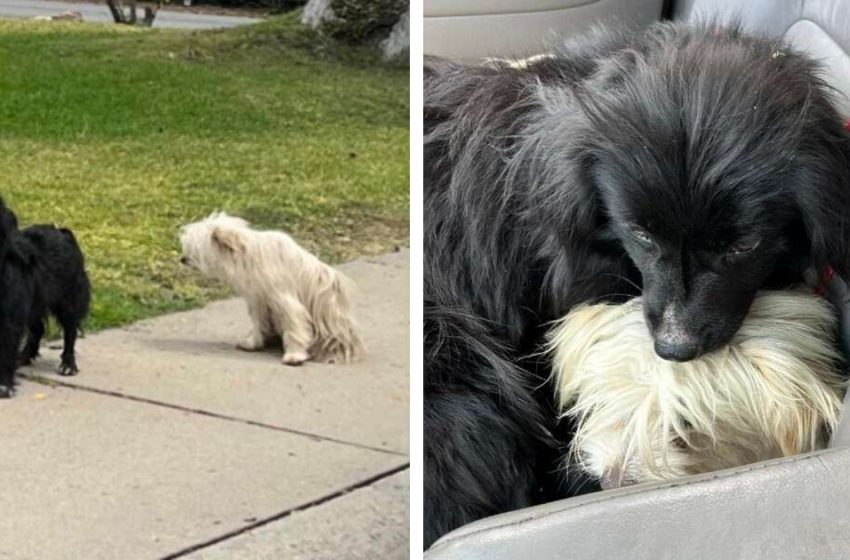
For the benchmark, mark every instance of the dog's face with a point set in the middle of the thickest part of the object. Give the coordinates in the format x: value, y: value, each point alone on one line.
x: 193, y: 242
x: 210, y: 244
x: 717, y: 185
x: 702, y: 254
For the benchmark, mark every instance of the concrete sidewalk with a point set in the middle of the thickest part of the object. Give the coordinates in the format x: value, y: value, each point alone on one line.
x: 99, y: 13
x: 171, y: 443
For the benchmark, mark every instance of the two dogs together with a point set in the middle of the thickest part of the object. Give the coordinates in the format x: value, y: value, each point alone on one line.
x: 700, y: 168
x: 290, y: 293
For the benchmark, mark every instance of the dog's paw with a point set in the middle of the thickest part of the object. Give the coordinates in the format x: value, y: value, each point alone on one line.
x: 250, y: 345
x: 68, y: 369
x: 6, y: 392
x: 295, y: 358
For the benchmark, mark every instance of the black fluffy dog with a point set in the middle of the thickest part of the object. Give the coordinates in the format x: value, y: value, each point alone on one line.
x: 694, y: 165
x: 17, y: 295
x: 41, y: 271
x: 62, y: 289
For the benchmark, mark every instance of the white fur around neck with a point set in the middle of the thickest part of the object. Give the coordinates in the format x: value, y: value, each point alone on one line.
x: 774, y: 391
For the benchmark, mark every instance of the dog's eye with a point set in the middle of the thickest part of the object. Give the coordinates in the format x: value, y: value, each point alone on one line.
x: 742, y: 248
x: 640, y: 234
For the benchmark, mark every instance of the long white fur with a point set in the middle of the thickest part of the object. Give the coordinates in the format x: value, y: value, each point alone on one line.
x: 289, y: 291
x: 774, y: 391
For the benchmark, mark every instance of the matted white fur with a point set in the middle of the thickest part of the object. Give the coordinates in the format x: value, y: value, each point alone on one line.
x: 774, y: 391
x: 289, y: 292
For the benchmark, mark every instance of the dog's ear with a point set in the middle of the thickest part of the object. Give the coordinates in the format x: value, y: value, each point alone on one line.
x: 554, y: 155
x: 8, y: 219
x: 823, y: 197
x: 228, y: 240
x: 567, y: 212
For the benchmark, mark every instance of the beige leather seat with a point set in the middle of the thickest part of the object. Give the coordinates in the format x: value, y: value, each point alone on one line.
x: 470, y: 30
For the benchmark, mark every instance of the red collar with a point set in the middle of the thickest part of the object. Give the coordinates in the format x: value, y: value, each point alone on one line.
x: 823, y: 281
x: 828, y: 272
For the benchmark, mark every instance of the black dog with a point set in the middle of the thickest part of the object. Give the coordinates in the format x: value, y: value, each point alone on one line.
x: 17, y: 295
x: 692, y: 165
x: 62, y: 289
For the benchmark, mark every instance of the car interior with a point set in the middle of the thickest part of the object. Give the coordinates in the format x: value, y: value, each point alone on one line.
x: 795, y: 507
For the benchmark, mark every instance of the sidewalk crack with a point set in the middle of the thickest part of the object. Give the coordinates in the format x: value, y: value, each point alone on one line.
x: 315, y: 437
x: 286, y: 513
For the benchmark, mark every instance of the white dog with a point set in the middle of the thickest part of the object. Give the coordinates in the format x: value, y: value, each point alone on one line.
x: 289, y: 292
x: 774, y: 391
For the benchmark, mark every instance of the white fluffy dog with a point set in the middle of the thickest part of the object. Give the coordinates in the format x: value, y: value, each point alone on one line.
x: 774, y: 391
x: 290, y: 293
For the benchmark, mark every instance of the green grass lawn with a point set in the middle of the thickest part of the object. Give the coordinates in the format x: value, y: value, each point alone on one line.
x: 125, y: 134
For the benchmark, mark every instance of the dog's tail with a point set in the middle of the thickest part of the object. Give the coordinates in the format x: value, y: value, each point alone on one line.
x: 335, y: 331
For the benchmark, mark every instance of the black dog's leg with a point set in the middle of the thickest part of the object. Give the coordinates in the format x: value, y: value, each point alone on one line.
x: 30, y: 352
x: 68, y: 366
x: 9, y: 342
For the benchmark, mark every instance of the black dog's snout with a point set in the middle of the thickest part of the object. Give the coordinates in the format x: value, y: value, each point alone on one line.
x: 681, y: 351
x: 674, y: 336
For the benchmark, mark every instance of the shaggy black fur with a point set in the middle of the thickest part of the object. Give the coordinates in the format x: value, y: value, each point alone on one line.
x: 694, y: 165
x: 62, y: 289
x: 17, y: 294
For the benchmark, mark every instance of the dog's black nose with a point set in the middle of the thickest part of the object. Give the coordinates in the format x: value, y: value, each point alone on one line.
x: 681, y: 351
x: 184, y: 260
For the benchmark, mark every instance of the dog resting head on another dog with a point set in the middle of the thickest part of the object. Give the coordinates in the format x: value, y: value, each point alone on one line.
x: 290, y: 293
x: 774, y: 391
